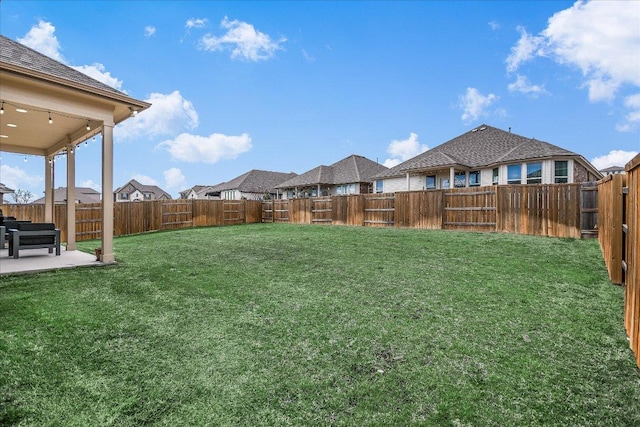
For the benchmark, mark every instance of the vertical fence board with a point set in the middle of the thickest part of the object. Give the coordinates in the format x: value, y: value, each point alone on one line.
x: 610, y: 224
x: 632, y: 255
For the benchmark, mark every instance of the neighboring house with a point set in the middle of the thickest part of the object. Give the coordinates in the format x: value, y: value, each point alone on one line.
x: 4, y: 190
x: 487, y: 156
x: 83, y: 195
x: 351, y: 175
x: 133, y: 191
x: 196, y: 192
x: 253, y: 185
x: 612, y: 170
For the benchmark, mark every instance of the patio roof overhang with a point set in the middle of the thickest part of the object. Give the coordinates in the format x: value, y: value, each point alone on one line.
x: 30, y: 99
x: 44, y: 114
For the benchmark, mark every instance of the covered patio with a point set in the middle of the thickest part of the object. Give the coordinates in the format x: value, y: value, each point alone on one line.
x: 47, y: 109
x: 37, y: 260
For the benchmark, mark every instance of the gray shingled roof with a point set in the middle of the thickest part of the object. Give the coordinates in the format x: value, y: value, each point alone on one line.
x: 14, y: 53
x: 351, y: 169
x: 481, y: 147
x: 154, y: 189
x: 83, y: 195
x: 198, y: 189
x: 613, y: 169
x: 5, y: 190
x: 254, y: 181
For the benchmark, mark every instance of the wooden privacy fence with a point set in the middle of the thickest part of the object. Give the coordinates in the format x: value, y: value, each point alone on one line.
x: 619, y: 235
x: 145, y: 216
x: 545, y: 210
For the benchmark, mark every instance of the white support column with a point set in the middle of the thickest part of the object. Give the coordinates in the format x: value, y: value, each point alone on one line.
x: 49, y: 173
x: 71, y: 198
x: 452, y: 177
x: 408, y: 182
x: 107, y: 193
x: 466, y: 179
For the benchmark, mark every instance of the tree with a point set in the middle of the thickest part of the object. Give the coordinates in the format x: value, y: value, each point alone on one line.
x: 22, y: 197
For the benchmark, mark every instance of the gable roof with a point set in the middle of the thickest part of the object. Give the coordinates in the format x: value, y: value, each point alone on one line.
x: 19, y: 55
x: 153, y: 189
x: 5, y: 190
x: 613, y: 169
x: 255, y: 181
x: 481, y: 147
x: 198, y: 189
x: 83, y: 195
x: 349, y: 170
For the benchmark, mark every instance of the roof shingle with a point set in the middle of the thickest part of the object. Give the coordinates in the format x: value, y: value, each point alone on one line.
x: 481, y: 147
x: 14, y: 53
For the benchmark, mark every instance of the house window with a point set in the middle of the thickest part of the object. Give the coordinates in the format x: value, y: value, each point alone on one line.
x: 314, y: 192
x: 474, y: 179
x: 460, y: 180
x: 561, y: 175
x: 431, y: 182
x: 534, y: 173
x: 124, y: 196
x: 514, y: 174
x: 379, y: 187
x: 444, y: 183
x: 147, y: 196
x: 496, y: 176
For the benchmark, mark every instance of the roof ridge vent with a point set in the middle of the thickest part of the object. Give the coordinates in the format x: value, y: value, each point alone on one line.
x: 483, y: 128
x: 474, y: 130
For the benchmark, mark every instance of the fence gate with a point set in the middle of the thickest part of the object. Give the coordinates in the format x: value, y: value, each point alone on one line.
x: 472, y: 209
x: 267, y: 210
x: 233, y: 212
x: 321, y: 210
x: 589, y: 209
x: 379, y: 211
x: 176, y: 214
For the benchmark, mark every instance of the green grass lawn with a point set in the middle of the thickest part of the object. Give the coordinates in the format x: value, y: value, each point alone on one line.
x: 275, y: 324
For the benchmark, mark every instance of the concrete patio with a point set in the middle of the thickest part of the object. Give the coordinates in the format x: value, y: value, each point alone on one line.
x: 38, y: 260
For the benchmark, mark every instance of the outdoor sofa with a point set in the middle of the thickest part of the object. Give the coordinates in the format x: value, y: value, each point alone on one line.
x: 28, y: 235
x: 7, y: 223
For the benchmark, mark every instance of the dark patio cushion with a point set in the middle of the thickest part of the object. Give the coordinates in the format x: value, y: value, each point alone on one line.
x: 35, y: 226
x: 36, y: 240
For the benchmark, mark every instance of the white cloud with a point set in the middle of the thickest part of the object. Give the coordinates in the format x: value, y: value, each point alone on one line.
x: 168, y: 115
x: 600, y: 38
x: 244, y: 41
x: 631, y: 119
x: 474, y: 104
x: 17, y: 178
x: 404, y: 149
x: 494, y: 25
x: 613, y: 158
x: 525, y: 49
x: 308, y: 57
x: 174, y: 178
x: 144, y: 179
x: 41, y: 38
x: 90, y: 184
x: 196, y: 23
x: 149, y: 30
x: 391, y: 163
x: 206, y: 149
x: 523, y: 85
x: 98, y: 71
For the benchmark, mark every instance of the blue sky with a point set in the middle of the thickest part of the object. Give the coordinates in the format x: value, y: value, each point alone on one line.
x: 287, y: 86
